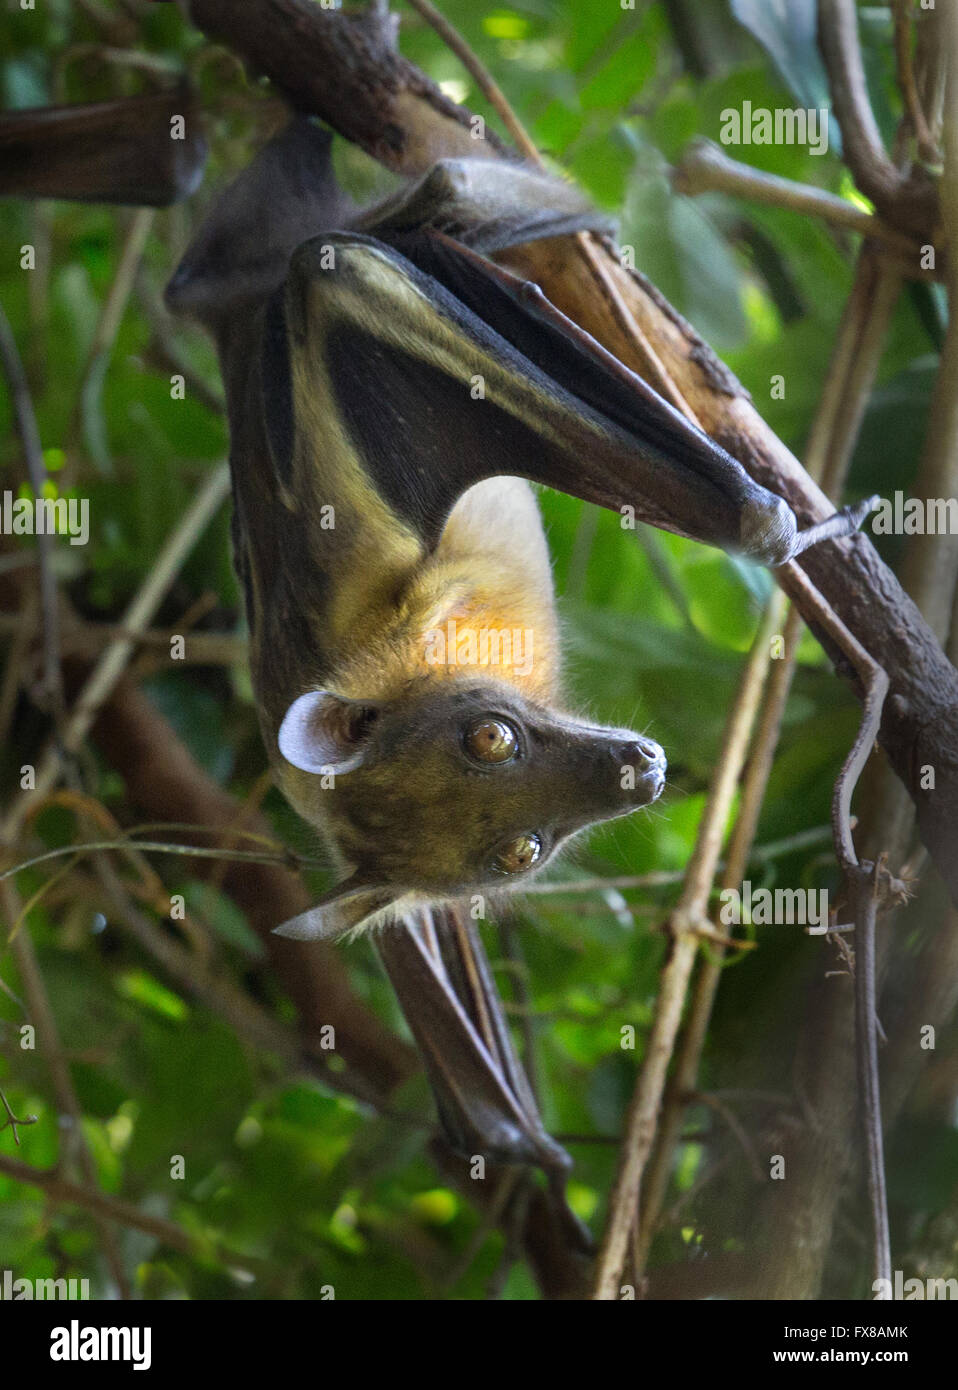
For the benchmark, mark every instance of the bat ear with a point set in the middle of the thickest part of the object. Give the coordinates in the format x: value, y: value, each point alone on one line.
x: 343, y: 909
x: 322, y: 732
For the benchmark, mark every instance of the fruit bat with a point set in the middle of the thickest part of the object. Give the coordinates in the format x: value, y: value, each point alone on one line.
x: 144, y: 150
x: 388, y: 388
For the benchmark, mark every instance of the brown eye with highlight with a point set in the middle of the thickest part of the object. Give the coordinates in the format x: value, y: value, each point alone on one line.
x: 491, y: 741
x: 519, y: 854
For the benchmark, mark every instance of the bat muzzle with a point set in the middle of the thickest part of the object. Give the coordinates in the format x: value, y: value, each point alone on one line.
x: 614, y: 772
x: 640, y: 764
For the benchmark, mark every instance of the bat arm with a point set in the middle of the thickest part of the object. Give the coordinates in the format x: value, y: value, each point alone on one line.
x: 515, y: 389
x: 768, y: 528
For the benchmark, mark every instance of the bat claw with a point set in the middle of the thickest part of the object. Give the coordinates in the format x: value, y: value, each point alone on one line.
x: 844, y: 523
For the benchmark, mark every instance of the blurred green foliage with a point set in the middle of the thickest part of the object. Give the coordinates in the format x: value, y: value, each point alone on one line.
x: 309, y: 1183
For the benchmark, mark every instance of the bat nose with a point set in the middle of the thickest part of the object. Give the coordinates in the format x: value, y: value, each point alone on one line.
x: 643, y: 753
x: 645, y: 750
x: 648, y: 760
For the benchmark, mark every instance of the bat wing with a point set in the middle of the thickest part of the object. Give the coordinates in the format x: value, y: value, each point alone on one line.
x: 446, y: 369
x: 422, y: 367
x: 124, y: 151
x: 454, y: 1010
x: 438, y: 967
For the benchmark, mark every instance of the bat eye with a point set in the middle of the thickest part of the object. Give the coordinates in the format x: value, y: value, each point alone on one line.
x: 519, y: 854
x: 491, y: 741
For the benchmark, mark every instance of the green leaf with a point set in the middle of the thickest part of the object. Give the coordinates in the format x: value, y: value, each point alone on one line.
x: 787, y: 30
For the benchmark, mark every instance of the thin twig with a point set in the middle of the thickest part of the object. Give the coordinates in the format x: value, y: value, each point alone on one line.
x: 863, y: 148
x: 12, y: 1120
x: 285, y: 857
x: 88, y: 807
x: 302, y: 1052
x: 931, y: 64
x: 930, y: 569
x: 33, y: 454
x: 688, y: 918
x: 927, y: 149
x: 690, y: 1050
x: 61, y: 1189
x: 110, y: 666
x: 108, y: 324
x: 851, y: 371
x: 705, y: 168
x: 874, y: 682
x: 82, y: 638
x: 864, y: 885
x: 483, y: 77
x: 68, y: 1106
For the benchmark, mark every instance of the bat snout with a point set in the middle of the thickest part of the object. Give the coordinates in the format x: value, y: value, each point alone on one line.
x: 617, y: 771
x: 642, y: 765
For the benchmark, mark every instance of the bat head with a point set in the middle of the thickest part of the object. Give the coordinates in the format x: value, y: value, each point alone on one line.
x: 456, y: 788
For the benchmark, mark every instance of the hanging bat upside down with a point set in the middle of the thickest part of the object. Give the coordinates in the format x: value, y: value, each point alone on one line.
x: 388, y: 388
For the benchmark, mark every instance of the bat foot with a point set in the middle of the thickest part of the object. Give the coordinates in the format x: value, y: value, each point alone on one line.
x: 844, y: 523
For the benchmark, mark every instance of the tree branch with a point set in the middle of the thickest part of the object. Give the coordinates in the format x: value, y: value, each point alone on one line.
x: 110, y: 666
x: 689, y: 916
x: 341, y: 67
x: 908, y: 202
x: 705, y: 168
x: 104, y: 1207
